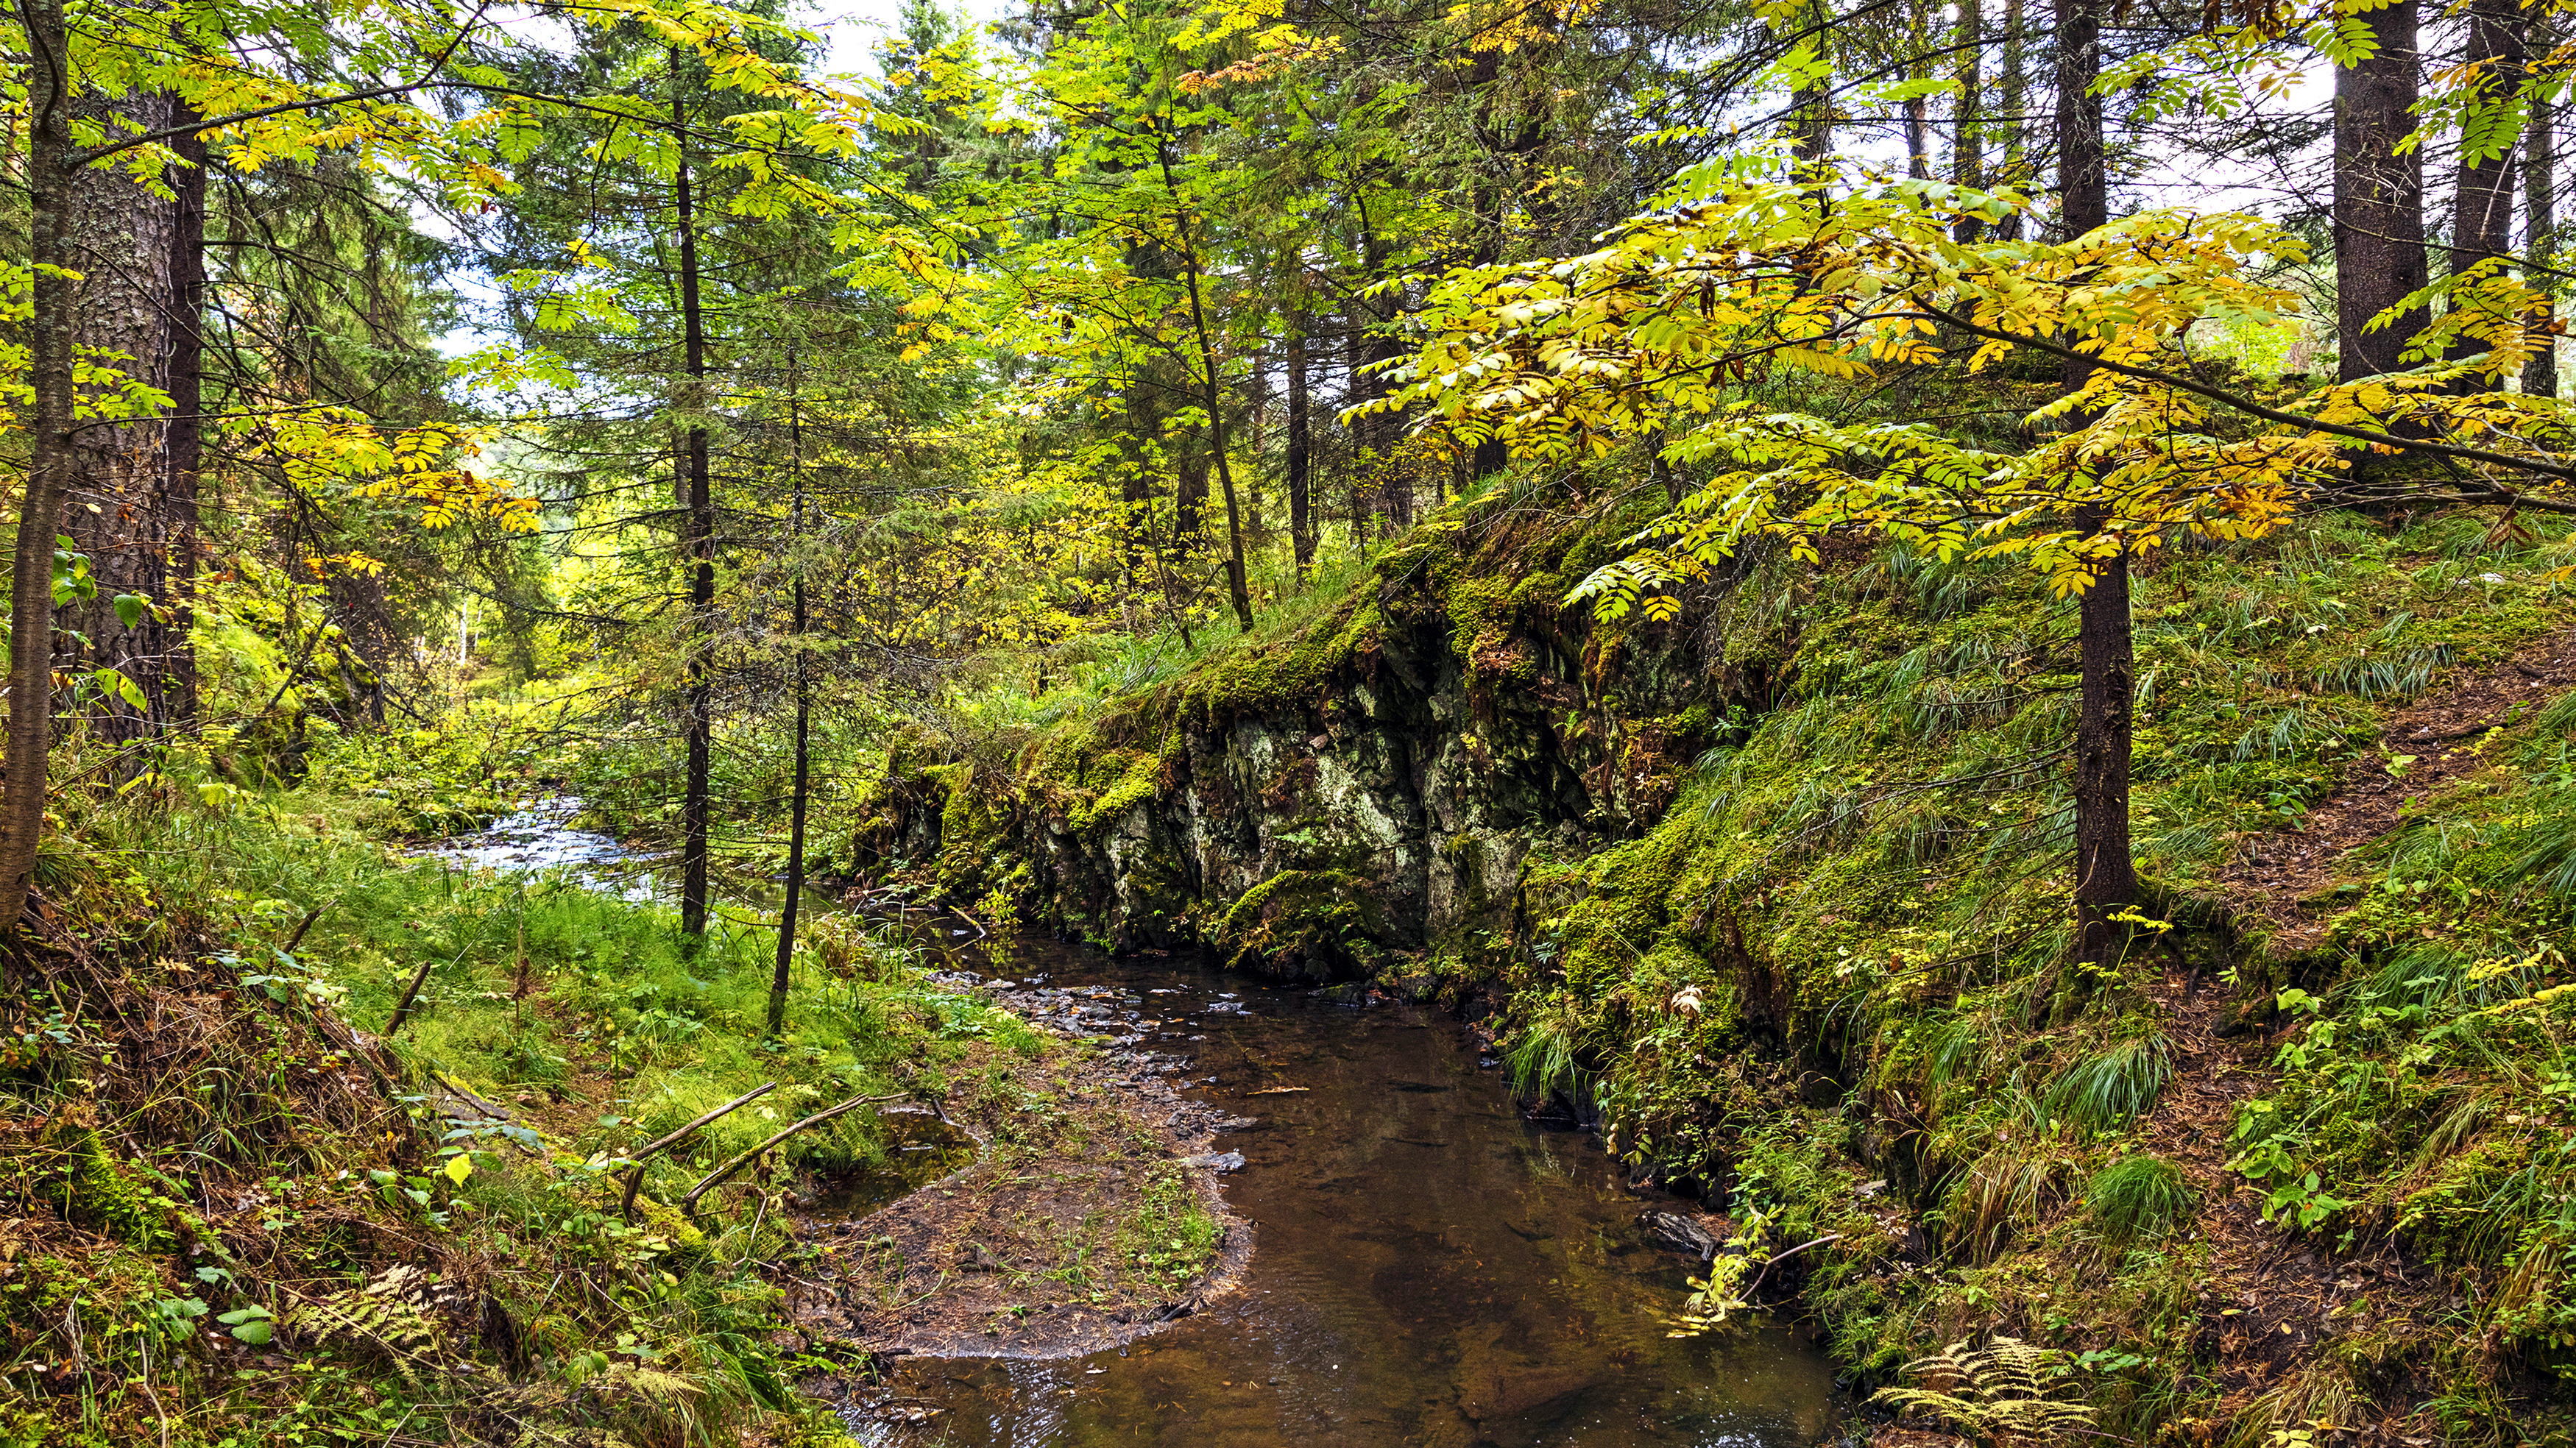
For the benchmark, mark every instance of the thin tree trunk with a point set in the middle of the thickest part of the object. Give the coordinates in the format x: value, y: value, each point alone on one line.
x: 1918, y: 108
x: 50, y: 178
x: 1495, y: 188
x: 1301, y: 457
x: 2378, y: 197
x: 797, y: 796
x: 2482, y: 211
x: 1189, y: 499
x: 1238, y: 583
x: 2540, y: 225
x: 1299, y: 452
x: 699, y: 723
x: 2106, y: 877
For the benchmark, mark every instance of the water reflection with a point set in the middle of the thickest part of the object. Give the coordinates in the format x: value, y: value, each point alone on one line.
x: 1431, y: 1269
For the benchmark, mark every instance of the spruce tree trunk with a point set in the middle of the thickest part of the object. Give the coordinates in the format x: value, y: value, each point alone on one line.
x: 1189, y: 501
x: 2083, y: 182
x: 2083, y: 177
x: 115, y: 500
x: 2378, y: 197
x: 2540, y: 226
x: 51, y: 174
x: 185, y: 438
x: 2482, y: 209
x: 2016, y: 95
x: 1918, y: 137
x: 1968, y: 144
x: 1301, y: 456
x: 698, y: 722
x: 1812, y: 106
x: 1495, y: 186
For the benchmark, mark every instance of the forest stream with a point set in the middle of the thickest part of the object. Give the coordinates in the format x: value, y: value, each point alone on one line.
x: 1429, y: 1268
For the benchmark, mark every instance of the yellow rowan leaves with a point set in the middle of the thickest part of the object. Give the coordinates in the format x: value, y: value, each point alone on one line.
x: 1749, y: 276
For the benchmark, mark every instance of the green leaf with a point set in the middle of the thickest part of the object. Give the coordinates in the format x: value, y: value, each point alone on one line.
x: 130, y: 608
x: 253, y: 1325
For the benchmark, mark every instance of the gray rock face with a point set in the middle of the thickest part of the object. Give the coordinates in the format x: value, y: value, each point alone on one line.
x: 1332, y: 832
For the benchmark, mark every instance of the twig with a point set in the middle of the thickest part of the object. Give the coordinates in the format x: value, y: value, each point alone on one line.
x: 635, y: 1174
x: 158, y: 1411
x: 297, y: 938
x: 402, y: 1008
x: 1783, y: 1257
x: 689, y: 1203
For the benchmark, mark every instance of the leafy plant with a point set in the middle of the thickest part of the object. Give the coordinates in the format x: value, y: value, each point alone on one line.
x: 2007, y: 1392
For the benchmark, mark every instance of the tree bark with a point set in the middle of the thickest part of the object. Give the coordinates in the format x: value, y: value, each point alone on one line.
x: 2016, y: 95
x: 2106, y: 877
x: 2482, y: 209
x: 698, y: 723
x: 115, y: 503
x: 2083, y: 181
x: 51, y: 173
x: 2378, y: 197
x: 1812, y: 105
x: 185, y: 439
x: 2540, y: 228
x: 1918, y: 137
x: 1494, y: 188
x: 2083, y: 177
x: 1189, y: 499
x: 1301, y: 456
x: 1968, y: 144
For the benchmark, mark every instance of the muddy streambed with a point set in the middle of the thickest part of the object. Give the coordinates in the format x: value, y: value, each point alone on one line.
x: 1428, y: 1268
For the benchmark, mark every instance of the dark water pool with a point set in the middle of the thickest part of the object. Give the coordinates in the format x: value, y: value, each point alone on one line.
x: 1430, y: 1269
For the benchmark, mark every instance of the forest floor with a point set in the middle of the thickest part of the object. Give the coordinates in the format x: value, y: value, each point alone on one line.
x: 2272, y: 1299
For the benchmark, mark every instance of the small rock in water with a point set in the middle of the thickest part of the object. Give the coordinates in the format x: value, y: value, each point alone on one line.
x: 1677, y: 1233
x: 1223, y: 1161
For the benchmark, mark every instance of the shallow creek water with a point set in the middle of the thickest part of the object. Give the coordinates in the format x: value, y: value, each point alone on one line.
x: 1429, y: 1269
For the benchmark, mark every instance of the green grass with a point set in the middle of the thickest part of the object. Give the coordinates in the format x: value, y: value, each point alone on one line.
x: 2137, y: 1199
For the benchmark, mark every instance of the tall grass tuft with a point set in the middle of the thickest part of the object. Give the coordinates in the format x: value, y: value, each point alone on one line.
x: 2137, y: 1199
x: 2111, y: 1089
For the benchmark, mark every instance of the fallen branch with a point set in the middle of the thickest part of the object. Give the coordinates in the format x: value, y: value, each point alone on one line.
x: 411, y: 992
x: 1783, y: 1257
x: 689, y: 1203
x: 635, y: 1173
x: 297, y: 938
